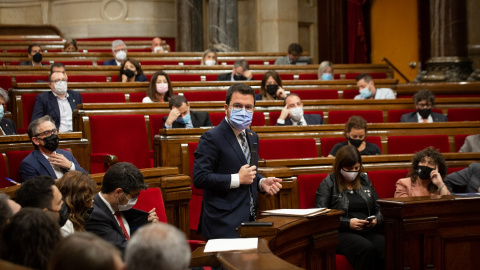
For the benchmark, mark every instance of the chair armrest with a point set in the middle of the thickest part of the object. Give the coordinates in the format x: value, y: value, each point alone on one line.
x: 105, y: 158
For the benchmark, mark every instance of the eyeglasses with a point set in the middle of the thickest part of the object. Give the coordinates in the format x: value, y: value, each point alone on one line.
x: 59, y: 80
x: 133, y: 197
x: 47, y: 133
x: 238, y: 106
x: 424, y: 105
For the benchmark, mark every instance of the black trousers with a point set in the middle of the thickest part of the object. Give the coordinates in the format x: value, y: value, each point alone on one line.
x: 364, y: 251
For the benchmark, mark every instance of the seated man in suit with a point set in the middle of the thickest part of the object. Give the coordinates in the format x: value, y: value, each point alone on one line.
x: 295, y: 50
x: 294, y: 111
x: 46, y: 159
x: 7, y: 127
x: 58, y: 103
x: 424, y: 101
x: 225, y: 167
x: 466, y: 180
x: 367, y: 89
x: 119, y: 52
x: 113, y: 218
x: 240, y: 72
x: 35, y: 56
x: 471, y: 144
x: 181, y: 116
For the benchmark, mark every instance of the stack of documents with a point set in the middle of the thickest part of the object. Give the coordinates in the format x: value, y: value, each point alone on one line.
x: 297, y: 212
x: 219, y: 245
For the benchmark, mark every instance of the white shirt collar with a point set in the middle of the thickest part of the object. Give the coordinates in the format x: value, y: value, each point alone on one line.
x: 106, y: 203
x: 420, y: 119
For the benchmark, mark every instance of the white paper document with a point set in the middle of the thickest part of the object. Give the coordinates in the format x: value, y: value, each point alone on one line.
x: 228, y: 244
x: 295, y: 212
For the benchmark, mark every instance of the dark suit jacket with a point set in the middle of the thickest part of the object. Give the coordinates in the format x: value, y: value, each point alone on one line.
x: 199, y: 119
x: 27, y: 63
x: 35, y: 164
x: 46, y: 103
x: 412, y: 117
x: 219, y: 155
x: 104, y: 224
x: 111, y: 62
x: 312, y: 119
x: 226, y: 77
x: 8, y: 126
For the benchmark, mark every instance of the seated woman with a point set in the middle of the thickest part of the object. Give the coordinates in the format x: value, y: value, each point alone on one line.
x: 70, y: 46
x: 271, y: 87
x: 325, y: 71
x: 131, y: 71
x: 347, y: 188
x: 159, y: 89
x: 356, y: 132
x: 209, y: 58
x: 425, y: 177
x: 78, y: 190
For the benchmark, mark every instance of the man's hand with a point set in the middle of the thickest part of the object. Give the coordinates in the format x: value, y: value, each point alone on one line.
x: 152, y: 216
x: 280, y: 92
x: 284, y: 114
x: 246, y: 174
x: 60, y: 160
x: 248, y: 74
x: 271, y: 185
x: 172, y: 116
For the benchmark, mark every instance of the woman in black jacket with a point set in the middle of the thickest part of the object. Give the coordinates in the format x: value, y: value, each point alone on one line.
x: 350, y: 190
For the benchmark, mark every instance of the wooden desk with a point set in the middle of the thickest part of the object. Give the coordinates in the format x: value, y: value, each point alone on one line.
x: 440, y: 232
x: 307, y: 243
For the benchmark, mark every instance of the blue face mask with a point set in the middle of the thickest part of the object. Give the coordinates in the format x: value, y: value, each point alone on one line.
x: 365, y: 93
x: 1, y: 112
x: 184, y: 120
x: 240, y: 119
x: 327, y: 76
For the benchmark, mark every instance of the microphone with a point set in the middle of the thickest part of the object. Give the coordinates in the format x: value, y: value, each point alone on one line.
x: 254, y: 154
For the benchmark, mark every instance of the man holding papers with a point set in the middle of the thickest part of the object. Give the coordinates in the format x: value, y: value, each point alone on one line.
x: 225, y: 167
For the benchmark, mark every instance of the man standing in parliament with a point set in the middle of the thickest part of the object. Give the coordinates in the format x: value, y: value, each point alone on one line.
x: 225, y: 166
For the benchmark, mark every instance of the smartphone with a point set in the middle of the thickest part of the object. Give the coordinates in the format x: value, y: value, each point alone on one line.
x: 370, y: 218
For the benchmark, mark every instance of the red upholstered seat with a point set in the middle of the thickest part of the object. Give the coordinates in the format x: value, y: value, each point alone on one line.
x: 316, y: 94
x: 76, y: 63
x: 192, y: 63
x: 122, y: 135
x: 285, y: 76
x: 140, y: 50
x: 28, y: 102
x: 396, y: 115
x: 308, y: 76
x: 159, y: 63
x: 137, y: 97
x: 205, y: 95
x: 384, y: 181
x: 103, y: 97
x: 3, y: 172
x: 274, y: 116
x: 341, y: 117
x: 350, y: 93
x: 257, y: 120
x: 460, y: 140
x: 156, y: 123
x: 411, y: 144
x: 197, y: 194
x: 31, y: 78
x: 287, y: 148
x: 211, y: 77
x: 87, y: 78
x: 463, y: 114
x: 257, y: 76
x: 216, y: 118
x: 342, y: 262
x: 6, y: 82
x: 14, y: 158
x: 352, y: 76
x: 184, y: 78
x: 307, y: 188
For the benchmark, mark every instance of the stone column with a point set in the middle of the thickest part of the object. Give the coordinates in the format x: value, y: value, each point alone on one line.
x: 223, y: 24
x: 189, y: 26
x: 449, y: 52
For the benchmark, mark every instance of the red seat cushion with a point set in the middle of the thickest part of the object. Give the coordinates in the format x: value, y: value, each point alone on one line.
x: 463, y: 114
x: 184, y: 78
x: 3, y: 172
x: 156, y: 123
x: 308, y: 76
x: 6, y: 82
x: 87, y: 78
x: 307, y: 188
x: 159, y: 63
x: 384, y: 182
x: 103, y: 97
x: 28, y: 102
x: 149, y: 199
x: 137, y: 97
x: 216, y: 118
x: 316, y: 94
x: 14, y: 159
x: 287, y: 148
x: 341, y: 117
x: 342, y: 263
x: 328, y: 144
x: 460, y: 140
x: 411, y: 144
x: 31, y: 78
x: 205, y: 95
x: 350, y: 93
x: 76, y: 63
x: 197, y: 194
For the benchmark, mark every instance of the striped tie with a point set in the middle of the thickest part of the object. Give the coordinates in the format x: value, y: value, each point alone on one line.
x: 245, y: 148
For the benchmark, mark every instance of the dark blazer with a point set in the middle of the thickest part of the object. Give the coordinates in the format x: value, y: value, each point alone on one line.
x: 111, y: 62
x: 466, y: 180
x: 27, y: 63
x: 199, y: 119
x: 35, y: 164
x: 46, y: 103
x: 412, y: 117
x: 312, y: 119
x: 104, y: 224
x: 8, y: 126
x: 219, y: 155
x: 226, y: 77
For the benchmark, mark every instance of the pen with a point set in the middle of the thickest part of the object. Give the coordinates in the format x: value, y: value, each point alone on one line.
x: 12, y: 181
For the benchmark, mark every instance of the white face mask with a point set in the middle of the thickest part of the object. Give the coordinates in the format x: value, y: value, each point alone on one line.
x: 128, y: 205
x: 60, y: 88
x: 350, y: 176
x: 158, y: 49
x: 121, y: 55
x: 210, y: 62
x: 162, y: 88
x: 296, y: 114
x: 1, y: 112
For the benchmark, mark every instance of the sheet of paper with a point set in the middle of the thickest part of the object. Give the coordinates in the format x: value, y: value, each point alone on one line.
x: 293, y: 212
x: 228, y: 244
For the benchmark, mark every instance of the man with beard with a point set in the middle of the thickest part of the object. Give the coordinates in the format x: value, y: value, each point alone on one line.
x: 424, y: 101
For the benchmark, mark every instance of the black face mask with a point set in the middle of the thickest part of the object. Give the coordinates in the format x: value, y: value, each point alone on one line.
x: 51, y: 142
x: 272, y: 89
x: 424, y: 113
x: 424, y: 172
x: 63, y: 213
x: 239, y: 78
x: 37, y: 58
x: 355, y: 142
x: 129, y: 73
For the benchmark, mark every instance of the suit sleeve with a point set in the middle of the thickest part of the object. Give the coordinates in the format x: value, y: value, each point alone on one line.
x: 38, y: 108
x: 70, y: 157
x: 459, y: 178
x: 26, y: 171
x: 466, y: 147
x: 101, y: 225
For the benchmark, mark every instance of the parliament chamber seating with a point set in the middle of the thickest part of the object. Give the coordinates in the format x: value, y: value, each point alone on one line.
x: 350, y: 93
x: 103, y: 97
x: 396, y: 115
x: 3, y: 172
x: 316, y: 94
x: 341, y: 117
x: 410, y: 144
x: 14, y: 158
x: 463, y: 114
x: 205, y: 96
x: 137, y: 97
x: 87, y: 78
x: 274, y: 115
x: 328, y: 143
x: 460, y: 140
x: 76, y: 63
x: 5, y: 82
x: 287, y: 148
x: 156, y: 123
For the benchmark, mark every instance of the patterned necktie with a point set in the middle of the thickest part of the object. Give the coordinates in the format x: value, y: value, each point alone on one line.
x: 118, y: 215
x: 245, y: 147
